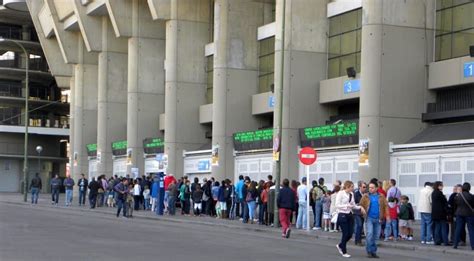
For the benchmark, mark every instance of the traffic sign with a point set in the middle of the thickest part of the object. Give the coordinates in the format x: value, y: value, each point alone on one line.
x: 307, y: 156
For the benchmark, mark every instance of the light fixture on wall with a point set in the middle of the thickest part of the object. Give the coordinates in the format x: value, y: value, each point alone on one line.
x: 351, y: 72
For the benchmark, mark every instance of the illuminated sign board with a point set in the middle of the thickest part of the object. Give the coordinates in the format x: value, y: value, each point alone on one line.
x: 153, y: 145
x: 252, y: 140
x: 91, y: 150
x: 345, y: 133
x: 119, y: 148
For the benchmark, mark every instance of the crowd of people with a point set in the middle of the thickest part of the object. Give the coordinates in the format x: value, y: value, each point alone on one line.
x: 377, y: 210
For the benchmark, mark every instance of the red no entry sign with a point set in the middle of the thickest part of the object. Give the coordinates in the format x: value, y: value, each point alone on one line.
x: 307, y: 156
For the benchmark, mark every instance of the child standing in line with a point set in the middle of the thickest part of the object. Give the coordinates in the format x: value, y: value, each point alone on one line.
x: 326, y: 200
x: 406, y: 216
x: 392, y: 226
x: 146, y: 197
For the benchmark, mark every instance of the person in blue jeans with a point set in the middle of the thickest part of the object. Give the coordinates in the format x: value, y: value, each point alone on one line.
x: 35, y: 187
x: 358, y: 217
x: 317, y: 194
x: 55, y: 185
x: 302, y: 190
x: 122, y: 191
x: 69, y: 186
x: 376, y: 208
x: 424, y: 207
x: 251, y: 200
x: 439, y: 214
x: 464, y: 204
x: 83, y: 184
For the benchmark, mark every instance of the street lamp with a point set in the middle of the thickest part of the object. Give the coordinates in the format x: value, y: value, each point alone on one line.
x: 39, y: 149
x: 27, y: 94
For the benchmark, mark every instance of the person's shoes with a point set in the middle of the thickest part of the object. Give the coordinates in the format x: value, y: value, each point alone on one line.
x: 346, y: 255
x: 410, y: 238
x: 339, y: 249
x: 385, y: 240
x: 288, y: 231
x: 369, y: 255
x: 316, y: 228
x: 429, y: 242
x: 448, y: 244
x: 462, y: 244
x: 375, y: 255
x: 423, y: 242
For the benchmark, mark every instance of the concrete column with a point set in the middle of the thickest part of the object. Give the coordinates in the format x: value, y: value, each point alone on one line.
x: 304, y: 67
x: 72, y: 119
x: 112, y: 95
x: 146, y: 92
x: 397, y: 39
x: 186, y: 36
x: 235, y: 76
x: 85, y: 108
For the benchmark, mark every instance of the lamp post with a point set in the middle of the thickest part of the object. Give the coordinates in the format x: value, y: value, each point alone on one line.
x: 39, y: 149
x: 279, y: 97
x: 27, y: 94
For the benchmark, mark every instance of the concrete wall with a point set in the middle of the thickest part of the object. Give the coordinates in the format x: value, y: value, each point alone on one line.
x: 112, y: 95
x: 332, y: 90
x: 235, y: 76
x: 305, y: 60
x: 187, y: 33
x: 397, y: 42
x: 449, y: 73
x: 146, y: 77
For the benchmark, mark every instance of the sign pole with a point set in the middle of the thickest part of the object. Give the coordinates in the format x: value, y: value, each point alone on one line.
x: 307, y: 198
x: 307, y: 156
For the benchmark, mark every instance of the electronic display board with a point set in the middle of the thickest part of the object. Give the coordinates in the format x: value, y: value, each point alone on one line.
x: 119, y: 148
x: 153, y: 145
x: 253, y: 140
x: 346, y: 133
x: 91, y: 150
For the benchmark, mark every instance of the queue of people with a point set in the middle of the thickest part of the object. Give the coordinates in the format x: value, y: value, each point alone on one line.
x: 376, y: 210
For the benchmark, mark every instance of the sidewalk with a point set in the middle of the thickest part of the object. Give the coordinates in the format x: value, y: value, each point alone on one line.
x: 44, y: 201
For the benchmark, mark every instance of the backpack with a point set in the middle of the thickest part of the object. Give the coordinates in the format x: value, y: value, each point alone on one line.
x: 411, y: 214
x: 226, y: 193
x: 311, y: 199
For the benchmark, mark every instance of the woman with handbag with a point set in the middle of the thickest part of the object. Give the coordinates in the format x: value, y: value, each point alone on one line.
x: 344, y: 205
x: 464, y: 203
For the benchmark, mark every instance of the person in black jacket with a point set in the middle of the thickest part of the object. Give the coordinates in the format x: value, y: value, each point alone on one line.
x: 464, y: 203
x: 452, y: 220
x: 439, y: 214
x: 83, y: 184
x: 93, y: 191
x: 35, y: 187
x: 286, y: 205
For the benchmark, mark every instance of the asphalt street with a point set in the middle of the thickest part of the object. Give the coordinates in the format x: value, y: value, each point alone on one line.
x: 39, y: 233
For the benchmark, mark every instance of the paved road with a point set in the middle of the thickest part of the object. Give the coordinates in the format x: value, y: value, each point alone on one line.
x: 38, y: 233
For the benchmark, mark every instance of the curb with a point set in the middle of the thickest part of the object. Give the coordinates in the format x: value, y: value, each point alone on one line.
x: 438, y: 249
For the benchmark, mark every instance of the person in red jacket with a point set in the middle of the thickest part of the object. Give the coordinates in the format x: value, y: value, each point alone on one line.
x: 168, y: 179
x: 391, y: 226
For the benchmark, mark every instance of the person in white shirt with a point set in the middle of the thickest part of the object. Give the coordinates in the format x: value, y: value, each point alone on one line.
x: 344, y: 205
x: 136, y: 194
x: 424, y: 207
x: 302, y: 190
